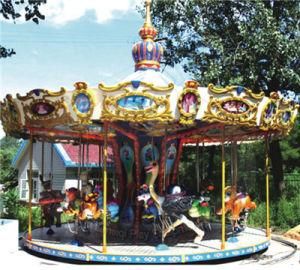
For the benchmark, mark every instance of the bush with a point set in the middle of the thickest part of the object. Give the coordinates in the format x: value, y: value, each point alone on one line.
x: 10, y: 203
x: 287, y: 214
x: 14, y: 210
x: 23, y: 215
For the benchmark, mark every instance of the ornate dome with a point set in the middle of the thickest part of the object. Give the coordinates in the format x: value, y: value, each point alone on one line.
x: 147, y: 53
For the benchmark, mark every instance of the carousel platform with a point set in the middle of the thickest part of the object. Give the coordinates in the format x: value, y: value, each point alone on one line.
x: 181, y: 248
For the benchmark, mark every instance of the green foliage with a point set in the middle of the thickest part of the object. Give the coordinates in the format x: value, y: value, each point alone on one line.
x: 8, y: 149
x: 11, y: 203
x: 287, y: 215
x: 23, y: 214
x: 290, y: 147
x: 230, y: 42
x: 14, y: 210
x: 257, y: 217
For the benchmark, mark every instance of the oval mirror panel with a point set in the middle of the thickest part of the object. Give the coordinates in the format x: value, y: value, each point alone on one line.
x: 42, y: 108
x: 82, y: 103
x: 271, y: 110
x: 235, y: 106
x: 286, y: 116
x: 135, y: 103
x: 189, y: 103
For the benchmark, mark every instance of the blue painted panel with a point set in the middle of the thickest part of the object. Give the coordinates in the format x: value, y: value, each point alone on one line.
x: 135, y: 102
x: 143, y: 259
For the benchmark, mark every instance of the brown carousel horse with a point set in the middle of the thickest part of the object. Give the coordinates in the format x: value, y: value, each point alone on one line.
x: 239, y: 205
x: 50, y: 204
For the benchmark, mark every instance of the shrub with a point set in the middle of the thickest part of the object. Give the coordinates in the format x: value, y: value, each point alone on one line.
x: 23, y: 217
x: 11, y: 203
x: 287, y: 214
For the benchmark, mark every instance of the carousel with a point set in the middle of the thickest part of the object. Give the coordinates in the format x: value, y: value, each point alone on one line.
x: 146, y: 215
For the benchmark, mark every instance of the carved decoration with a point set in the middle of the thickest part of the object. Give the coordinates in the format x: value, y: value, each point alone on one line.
x: 229, y: 106
x: 188, y: 103
x: 136, y: 85
x: 136, y: 107
x: 10, y: 116
x: 285, y: 116
x: 83, y: 102
x: 59, y: 115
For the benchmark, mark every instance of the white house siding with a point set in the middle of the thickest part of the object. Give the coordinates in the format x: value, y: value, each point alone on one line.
x: 59, y: 172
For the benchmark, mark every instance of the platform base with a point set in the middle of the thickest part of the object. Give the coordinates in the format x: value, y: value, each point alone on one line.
x: 249, y: 242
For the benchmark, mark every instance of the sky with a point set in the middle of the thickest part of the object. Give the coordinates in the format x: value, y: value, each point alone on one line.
x: 79, y: 40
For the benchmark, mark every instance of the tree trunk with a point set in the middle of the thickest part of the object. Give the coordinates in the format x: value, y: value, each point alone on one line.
x: 277, y: 167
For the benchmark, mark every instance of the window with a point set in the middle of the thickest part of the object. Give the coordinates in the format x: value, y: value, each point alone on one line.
x: 24, y: 189
x: 24, y: 184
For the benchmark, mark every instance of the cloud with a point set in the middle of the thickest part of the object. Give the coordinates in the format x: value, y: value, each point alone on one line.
x: 60, y: 12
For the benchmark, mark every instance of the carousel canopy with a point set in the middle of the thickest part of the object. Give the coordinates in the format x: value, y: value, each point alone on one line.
x: 147, y: 102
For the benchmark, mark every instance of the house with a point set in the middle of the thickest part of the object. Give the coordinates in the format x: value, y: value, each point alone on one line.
x: 62, y: 162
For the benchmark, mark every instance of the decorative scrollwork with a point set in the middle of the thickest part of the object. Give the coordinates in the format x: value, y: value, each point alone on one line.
x: 41, y: 93
x: 285, y: 116
x: 83, y: 102
x: 188, y: 104
x: 268, y: 115
x: 58, y: 116
x: 135, y: 84
x: 238, y: 89
x: 216, y: 111
x: 156, y: 108
x: 10, y: 115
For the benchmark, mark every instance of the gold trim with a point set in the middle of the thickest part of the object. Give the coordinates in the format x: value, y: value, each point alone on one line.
x: 42, y: 92
x: 285, y: 106
x: 266, y: 124
x: 188, y: 118
x: 59, y: 116
x: 151, y: 62
x: 11, y: 120
x: 119, y: 86
x: 228, y: 89
x: 159, y: 111
x: 215, y: 112
x: 81, y: 88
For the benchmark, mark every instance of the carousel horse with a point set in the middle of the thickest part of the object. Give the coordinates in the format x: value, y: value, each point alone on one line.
x: 50, y: 204
x: 84, y: 209
x: 90, y: 207
x: 239, y: 205
x: 173, y: 205
x: 201, y: 209
x: 112, y: 206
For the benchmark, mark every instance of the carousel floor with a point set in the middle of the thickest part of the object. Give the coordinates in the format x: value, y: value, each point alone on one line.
x: 120, y: 249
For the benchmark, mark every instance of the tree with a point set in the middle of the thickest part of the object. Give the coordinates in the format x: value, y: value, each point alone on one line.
x: 8, y: 149
x: 11, y: 10
x: 252, y: 43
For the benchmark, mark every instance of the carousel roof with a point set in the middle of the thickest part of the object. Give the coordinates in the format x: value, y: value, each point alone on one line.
x: 147, y: 102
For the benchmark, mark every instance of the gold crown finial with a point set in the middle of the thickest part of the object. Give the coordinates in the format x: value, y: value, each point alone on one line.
x: 148, y: 15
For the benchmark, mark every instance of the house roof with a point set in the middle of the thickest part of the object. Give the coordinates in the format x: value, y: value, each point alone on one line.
x: 69, y: 154
x: 70, y: 157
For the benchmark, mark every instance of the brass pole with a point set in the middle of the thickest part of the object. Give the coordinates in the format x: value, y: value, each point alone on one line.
x: 100, y: 159
x: 29, y: 237
x: 105, y: 189
x: 197, y: 167
x: 223, y: 193
x: 79, y: 164
x: 234, y: 166
x: 267, y: 164
x: 43, y: 160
